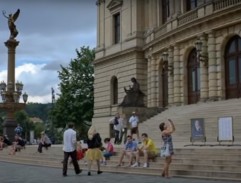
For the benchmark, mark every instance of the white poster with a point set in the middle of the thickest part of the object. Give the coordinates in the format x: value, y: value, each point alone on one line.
x: 225, y: 129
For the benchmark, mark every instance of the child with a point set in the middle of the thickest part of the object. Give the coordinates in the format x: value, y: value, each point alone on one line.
x: 109, y: 150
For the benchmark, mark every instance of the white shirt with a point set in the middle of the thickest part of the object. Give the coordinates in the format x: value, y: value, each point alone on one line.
x: 69, y: 140
x: 134, y: 121
x: 119, y: 126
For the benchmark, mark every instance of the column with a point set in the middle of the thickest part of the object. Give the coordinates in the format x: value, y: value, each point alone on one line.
x: 203, y: 72
x: 101, y: 23
x: 170, y: 76
x: 176, y: 75
x: 153, y: 81
x: 149, y: 81
x: 212, y: 77
x: 11, y: 44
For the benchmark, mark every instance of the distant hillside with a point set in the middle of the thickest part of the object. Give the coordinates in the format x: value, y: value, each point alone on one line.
x: 38, y: 110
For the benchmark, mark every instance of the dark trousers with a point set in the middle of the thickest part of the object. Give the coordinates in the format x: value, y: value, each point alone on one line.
x: 124, y: 134
x: 41, y: 145
x: 74, y: 161
x: 116, y: 137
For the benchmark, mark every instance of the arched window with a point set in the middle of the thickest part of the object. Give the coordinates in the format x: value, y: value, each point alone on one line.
x: 114, y: 90
x: 193, y: 78
x: 233, y: 68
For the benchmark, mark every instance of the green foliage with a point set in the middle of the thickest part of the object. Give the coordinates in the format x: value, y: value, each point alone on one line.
x: 38, y: 110
x: 75, y: 102
x: 22, y: 118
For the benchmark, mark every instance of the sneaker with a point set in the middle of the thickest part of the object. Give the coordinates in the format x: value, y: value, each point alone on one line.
x: 135, y: 165
x: 145, y: 165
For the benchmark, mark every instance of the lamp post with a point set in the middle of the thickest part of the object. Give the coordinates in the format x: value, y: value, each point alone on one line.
x: 11, y: 91
x: 165, y: 60
x: 201, y: 56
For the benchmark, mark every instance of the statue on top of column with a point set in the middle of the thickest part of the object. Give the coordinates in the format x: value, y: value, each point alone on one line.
x: 11, y: 23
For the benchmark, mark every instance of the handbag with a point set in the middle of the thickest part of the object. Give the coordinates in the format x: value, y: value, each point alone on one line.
x: 164, y: 151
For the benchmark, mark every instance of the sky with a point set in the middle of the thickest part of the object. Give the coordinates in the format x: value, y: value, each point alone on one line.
x: 49, y: 33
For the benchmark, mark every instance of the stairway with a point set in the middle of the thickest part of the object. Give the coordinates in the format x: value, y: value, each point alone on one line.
x: 193, y: 162
x: 181, y: 116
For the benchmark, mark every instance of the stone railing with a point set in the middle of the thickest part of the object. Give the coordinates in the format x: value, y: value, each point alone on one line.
x: 221, y: 4
x: 187, y: 17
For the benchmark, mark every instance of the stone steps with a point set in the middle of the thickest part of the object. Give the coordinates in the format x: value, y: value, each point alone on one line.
x: 210, y: 163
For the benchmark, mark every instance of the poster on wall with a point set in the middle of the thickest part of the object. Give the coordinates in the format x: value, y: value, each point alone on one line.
x: 225, y: 129
x: 197, y: 130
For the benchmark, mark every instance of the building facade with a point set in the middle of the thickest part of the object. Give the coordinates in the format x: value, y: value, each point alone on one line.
x: 181, y: 51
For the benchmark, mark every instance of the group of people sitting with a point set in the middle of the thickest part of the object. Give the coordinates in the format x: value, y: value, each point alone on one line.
x: 16, y: 145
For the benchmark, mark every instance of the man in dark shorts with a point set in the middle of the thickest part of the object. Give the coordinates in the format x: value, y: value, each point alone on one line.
x: 134, y: 121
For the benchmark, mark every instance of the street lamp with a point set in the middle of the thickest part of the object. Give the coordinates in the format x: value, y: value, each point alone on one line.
x: 201, y: 56
x: 165, y: 62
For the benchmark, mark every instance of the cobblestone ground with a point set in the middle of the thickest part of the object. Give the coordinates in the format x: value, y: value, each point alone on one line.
x: 15, y: 173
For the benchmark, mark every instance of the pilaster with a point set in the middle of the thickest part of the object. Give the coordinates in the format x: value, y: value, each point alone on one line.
x: 176, y: 75
x: 212, y: 69
x: 203, y: 72
x: 170, y: 77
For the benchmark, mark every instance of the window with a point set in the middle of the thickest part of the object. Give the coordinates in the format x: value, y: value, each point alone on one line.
x: 193, y: 78
x: 191, y: 4
x: 116, y: 18
x: 165, y: 10
x: 233, y: 68
x: 114, y: 90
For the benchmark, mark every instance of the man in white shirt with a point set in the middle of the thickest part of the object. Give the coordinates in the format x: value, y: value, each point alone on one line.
x: 134, y: 121
x: 70, y: 150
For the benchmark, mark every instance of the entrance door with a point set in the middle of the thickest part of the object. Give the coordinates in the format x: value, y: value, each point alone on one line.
x: 233, y: 68
x: 193, y: 78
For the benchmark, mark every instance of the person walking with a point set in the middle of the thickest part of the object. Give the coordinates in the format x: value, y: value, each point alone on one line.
x: 93, y: 153
x: 69, y: 149
x: 167, y: 128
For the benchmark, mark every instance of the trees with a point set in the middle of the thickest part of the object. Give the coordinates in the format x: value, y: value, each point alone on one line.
x: 75, y: 102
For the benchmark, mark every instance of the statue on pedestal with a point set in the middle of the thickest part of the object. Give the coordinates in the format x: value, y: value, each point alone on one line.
x: 134, y: 96
x: 11, y: 23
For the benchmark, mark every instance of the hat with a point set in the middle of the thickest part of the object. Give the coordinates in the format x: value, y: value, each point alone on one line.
x: 133, y: 112
x: 42, y: 132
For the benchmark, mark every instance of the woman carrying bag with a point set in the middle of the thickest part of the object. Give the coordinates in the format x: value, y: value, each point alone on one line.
x: 167, y: 129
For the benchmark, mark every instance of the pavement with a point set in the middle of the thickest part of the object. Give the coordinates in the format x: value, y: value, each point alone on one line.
x: 16, y: 173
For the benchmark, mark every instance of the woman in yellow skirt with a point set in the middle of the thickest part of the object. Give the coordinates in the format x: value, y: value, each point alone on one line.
x: 93, y: 153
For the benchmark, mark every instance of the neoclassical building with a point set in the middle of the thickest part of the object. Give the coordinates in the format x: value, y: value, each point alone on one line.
x: 182, y: 52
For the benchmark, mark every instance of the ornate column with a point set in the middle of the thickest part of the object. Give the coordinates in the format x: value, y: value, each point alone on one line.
x: 203, y: 72
x: 170, y: 77
x: 153, y: 81
x: 148, y: 81
x: 100, y: 23
x: 212, y: 68
x: 176, y: 75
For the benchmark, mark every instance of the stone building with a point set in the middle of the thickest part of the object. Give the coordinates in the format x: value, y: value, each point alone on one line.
x: 182, y: 52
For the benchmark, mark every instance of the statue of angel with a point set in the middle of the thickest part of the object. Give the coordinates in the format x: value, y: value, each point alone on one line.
x: 11, y: 19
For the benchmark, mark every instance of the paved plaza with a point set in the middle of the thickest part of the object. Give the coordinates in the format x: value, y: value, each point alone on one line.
x: 15, y: 173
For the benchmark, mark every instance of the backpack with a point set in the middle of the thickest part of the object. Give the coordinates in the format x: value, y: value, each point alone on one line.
x: 97, y: 140
x: 116, y: 122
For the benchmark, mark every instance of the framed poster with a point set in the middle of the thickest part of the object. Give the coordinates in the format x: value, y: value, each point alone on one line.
x: 197, y: 130
x: 225, y: 129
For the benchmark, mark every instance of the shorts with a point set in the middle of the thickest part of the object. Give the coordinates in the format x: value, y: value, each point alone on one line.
x: 134, y: 130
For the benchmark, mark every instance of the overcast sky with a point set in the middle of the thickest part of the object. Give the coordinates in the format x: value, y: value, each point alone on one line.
x: 49, y: 33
